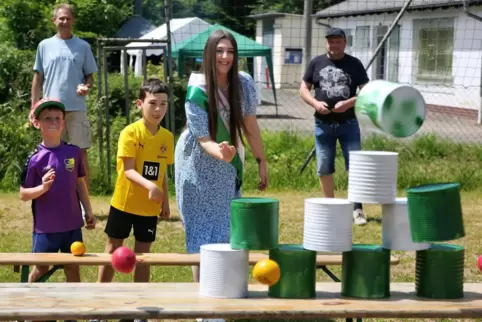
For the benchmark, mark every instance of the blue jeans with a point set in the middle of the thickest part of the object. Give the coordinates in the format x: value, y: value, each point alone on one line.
x: 326, y: 136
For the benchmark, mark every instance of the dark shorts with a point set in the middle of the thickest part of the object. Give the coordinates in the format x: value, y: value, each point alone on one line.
x: 120, y: 223
x: 55, y: 242
x: 326, y: 137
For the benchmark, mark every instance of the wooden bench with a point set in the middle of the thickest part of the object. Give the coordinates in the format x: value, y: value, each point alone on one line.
x: 155, y: 259
x: 60, y: 301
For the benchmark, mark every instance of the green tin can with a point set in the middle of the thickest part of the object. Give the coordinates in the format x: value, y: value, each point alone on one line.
x: 366, y: 272
x: 439, y: 272
x: 392, y: 108
x: 298, y: 272
x: 435, y: 212
x: 254, y: 223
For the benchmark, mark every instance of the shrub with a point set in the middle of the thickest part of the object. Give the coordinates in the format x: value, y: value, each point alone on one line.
x: 426, y: 159
x: 16, y: 76
x: 17, y: 141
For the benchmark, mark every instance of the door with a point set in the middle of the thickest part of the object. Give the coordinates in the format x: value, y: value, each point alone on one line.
x: 393, y: 54
x: 386, y: 62
x: 268, y: 40
x: 381, y: 59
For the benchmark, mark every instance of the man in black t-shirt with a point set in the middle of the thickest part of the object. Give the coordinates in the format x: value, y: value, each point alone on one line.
x: 335, y: 76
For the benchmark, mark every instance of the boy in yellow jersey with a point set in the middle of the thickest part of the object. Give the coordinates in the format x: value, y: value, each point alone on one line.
x: 140, y: 196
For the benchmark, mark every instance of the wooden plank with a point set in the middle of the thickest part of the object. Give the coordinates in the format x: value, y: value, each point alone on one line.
x: 62, y: 301
x: 162, y: 259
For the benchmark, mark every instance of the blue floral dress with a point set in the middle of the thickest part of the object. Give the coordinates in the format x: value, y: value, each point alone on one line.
x: 204, y: 185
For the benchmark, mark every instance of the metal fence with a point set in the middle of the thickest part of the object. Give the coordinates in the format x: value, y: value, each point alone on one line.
x: 433, y: 45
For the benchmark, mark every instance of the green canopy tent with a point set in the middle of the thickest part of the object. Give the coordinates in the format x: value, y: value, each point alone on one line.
x: 193, y: 47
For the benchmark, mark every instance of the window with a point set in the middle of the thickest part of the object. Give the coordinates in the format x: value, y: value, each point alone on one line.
x: 362, y: 37
x: 434, y: 43
x: 349, y: 38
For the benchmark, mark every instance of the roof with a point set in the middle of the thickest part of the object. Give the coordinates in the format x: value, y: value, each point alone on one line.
x: 194, y: 46
x: 135, y: 27
x: 272, y: 15
x: 181, y: 29
x: 357, y: 7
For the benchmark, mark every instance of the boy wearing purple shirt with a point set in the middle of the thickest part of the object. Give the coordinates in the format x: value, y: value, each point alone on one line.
x: 53, y: 179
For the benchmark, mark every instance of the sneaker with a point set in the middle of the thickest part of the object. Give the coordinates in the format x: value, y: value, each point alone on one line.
x: 359, y: 217
x: 137, y: 320
x: 210, y: 320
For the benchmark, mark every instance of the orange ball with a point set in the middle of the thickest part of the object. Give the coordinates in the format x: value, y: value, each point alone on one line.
x: 77, y: 248
x: 267, y: 272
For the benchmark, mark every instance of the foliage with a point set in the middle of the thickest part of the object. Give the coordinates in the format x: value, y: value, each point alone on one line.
x: 15, y: 75
x: 101, y: 17
x: 17, y: 140
x: 425, y: 159
x: 30, y: 21
x: 26, y: 21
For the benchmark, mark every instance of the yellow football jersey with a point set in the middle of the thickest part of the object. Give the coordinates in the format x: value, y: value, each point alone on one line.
x: 152, y: 154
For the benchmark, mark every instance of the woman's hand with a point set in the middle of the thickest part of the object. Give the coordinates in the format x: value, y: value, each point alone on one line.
x: 227, y: 152
x: 263, y: 175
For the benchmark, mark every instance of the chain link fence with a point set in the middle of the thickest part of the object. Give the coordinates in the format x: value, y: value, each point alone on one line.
x: 433, y: 45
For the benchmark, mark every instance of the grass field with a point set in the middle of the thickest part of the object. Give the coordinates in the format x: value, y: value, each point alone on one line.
x: 16, y: 222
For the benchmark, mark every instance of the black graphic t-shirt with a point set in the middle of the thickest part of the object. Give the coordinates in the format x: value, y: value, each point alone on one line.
x: 335, y: 81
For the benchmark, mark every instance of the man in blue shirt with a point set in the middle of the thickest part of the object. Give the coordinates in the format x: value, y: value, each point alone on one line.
x: 64, y: 68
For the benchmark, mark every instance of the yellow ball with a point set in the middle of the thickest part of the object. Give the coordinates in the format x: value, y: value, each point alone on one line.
x: 77, y: 248
x: 267, y: 272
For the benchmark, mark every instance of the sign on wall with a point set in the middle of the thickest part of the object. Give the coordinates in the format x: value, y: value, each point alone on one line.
x: 293, y: 55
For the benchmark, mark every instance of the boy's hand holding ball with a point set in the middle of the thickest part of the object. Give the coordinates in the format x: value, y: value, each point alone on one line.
x: 48, y: 179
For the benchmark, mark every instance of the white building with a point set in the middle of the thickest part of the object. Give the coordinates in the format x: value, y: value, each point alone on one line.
x: 181, y: 29
x: 436, y: 47
x: 284, y: 33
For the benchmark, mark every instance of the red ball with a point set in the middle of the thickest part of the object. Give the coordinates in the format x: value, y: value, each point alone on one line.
x: 123, y: 260
x: 480, y: 263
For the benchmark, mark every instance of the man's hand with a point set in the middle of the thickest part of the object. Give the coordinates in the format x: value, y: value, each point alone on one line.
x: 82, y: 89
x: 340, y: 107
x: 322, y: 107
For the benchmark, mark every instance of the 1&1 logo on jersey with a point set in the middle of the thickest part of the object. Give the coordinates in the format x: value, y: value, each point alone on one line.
x: 150, y: 170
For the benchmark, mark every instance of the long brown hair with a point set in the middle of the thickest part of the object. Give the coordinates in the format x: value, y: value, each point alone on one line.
x: 208, y: 68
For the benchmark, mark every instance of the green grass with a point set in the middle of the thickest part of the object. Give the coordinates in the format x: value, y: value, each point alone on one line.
x: 426, y: 159
x: 16, y: 220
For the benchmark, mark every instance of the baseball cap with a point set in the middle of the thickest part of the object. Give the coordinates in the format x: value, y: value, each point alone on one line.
x: 335, y: 32
x: 47, y: 103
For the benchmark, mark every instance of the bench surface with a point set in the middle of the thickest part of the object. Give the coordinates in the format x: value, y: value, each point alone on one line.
x: 162, y: 259
x: 62, y: 301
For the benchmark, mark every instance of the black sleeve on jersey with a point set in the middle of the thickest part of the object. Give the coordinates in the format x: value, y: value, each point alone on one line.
x: 23, y: 174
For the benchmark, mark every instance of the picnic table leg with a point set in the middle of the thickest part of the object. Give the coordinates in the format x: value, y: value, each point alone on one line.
x: 336, y: 279
x: 50, y: 272
x: 44, y: 278
x: 24, y: 274
x: 329, y: 273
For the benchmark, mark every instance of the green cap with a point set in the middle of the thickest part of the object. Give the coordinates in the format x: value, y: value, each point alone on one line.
x: 47, y: 103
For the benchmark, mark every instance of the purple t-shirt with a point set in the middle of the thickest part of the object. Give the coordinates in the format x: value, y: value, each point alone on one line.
x: 57, y: 210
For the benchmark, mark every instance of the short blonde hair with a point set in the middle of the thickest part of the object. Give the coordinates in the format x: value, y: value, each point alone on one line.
x: 65, y: 6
